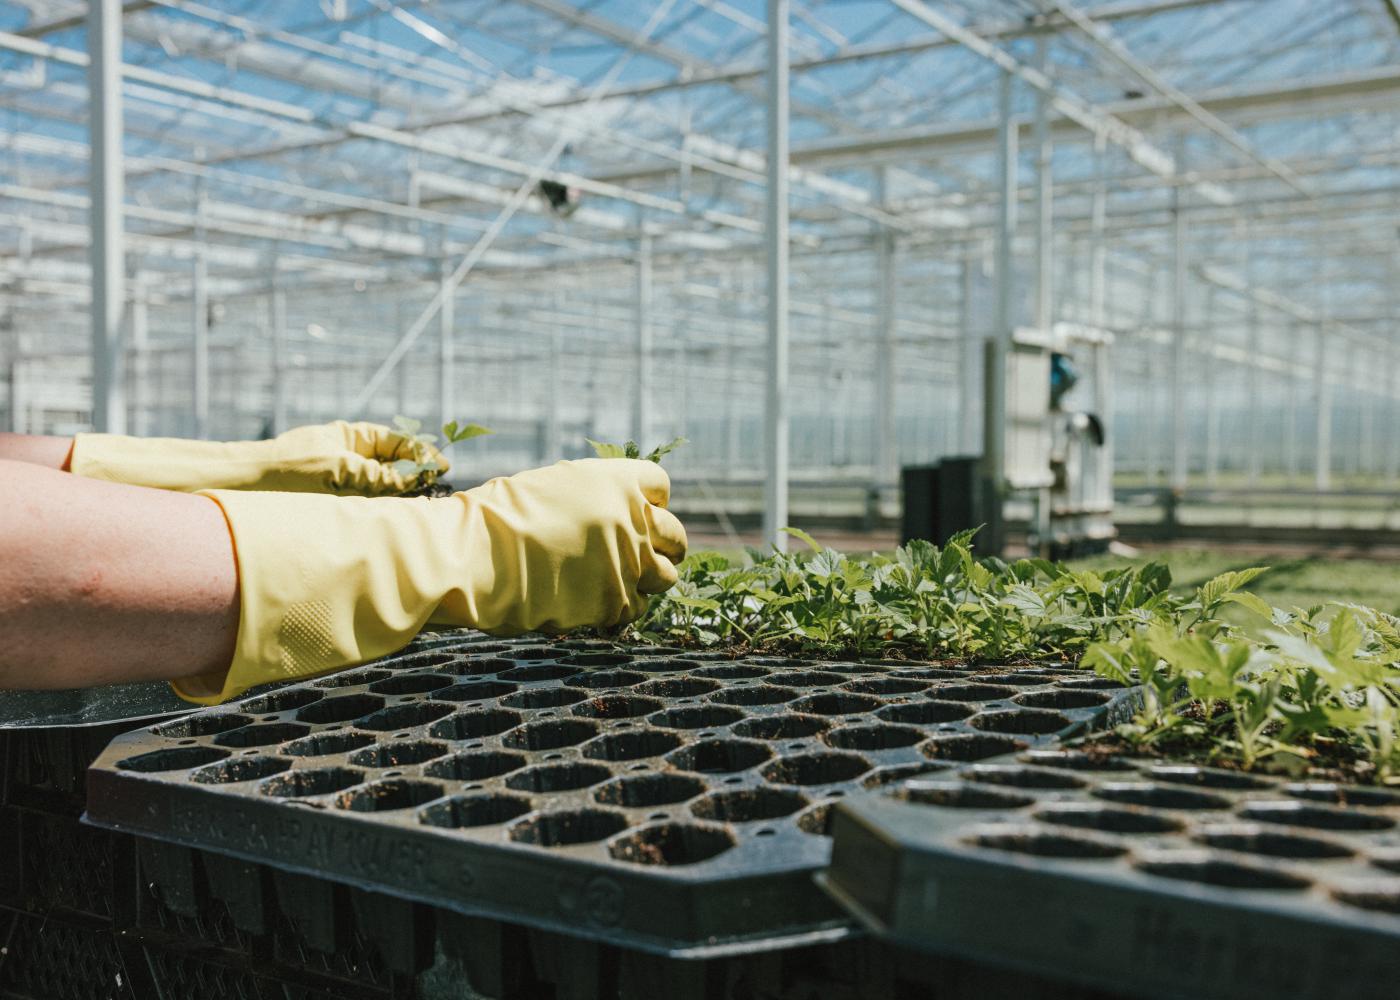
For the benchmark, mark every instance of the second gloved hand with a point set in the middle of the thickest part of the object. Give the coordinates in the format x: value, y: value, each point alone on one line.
x: 338, y: 457
x: 325, y: 582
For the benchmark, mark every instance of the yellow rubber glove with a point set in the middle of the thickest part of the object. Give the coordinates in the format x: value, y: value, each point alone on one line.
x: 338, y: 457
x: 327, y: 582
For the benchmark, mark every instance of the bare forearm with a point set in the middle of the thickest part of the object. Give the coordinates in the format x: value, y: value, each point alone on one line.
x: 102, y: 582
x: 36, y: 449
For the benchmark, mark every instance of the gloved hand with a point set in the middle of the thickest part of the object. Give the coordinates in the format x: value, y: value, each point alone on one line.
x: 325, y: 582
x: 338, y: 457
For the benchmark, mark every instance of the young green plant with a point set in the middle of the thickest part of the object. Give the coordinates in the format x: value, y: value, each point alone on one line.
x: 632, y: 450
x: 420, y: 467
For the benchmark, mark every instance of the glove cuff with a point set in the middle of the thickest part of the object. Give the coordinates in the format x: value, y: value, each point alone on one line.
x: 165, y: 463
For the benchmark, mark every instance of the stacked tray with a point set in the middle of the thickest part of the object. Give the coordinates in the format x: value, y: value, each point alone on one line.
x: 1161, y: 879
x: 646, y: 797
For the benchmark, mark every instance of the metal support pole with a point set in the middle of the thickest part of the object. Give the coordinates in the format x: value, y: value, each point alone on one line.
x: 775, y: 492
x: 969, y: 418
x: 139, y: 374
x: 107, y: 196
x: 1322, y: 394
x: 994, y: 393
x: 1209, y: 380
x: 1365, y: 396
x: 1097, y: 216
x: 1254, y: 440
x: 1180, y: 455
x: 552, y: 444
x: 199, y: 319
x: 447, y: 360
x: 1044, y: 200
x: 886, y: 381
x: 277, y: 330
x: 1290, y: 426
x: 641, y: 392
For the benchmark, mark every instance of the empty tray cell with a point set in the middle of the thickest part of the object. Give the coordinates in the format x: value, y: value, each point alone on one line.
x: 874, y: 737
x: 885, y: 685
x: 720, y: 756
x: 478, y: 666
x: 655, y: 650
x: 618, y: 706
x: 1342, y: 795
x: 672, y: 844
x: 262, y: 735
x: 807, y: 678
x: 956, y: 795
x: 1381, y: 895
x: 646, y: 790
x: 816, y: 821
x: 574, y: 826
x: 663, y: 666
x: 743, y: 805
x: 732, y: 672
x: 558, y: 777
x: 474, y: 691
x: 678, y: 687
x: 697, y: 717
x: 971, y: 692
x: 1091, y: 683
x: 236, y: 769
x: 932, y: 674
x: 537, y: 672
x: 322, y: 781
x: 1205, y: 777
x: 1315, y: 816
x: 550, y: 735
x: 1214, y: 869
x: 476, y: 765
x: 398, y: 754
x: 597, y: 659
x: 1142, y: 793
x: 969, y: 746
x: 202, y: 724
x: 633, y: 744
x: 901, y: 772
x: 485, y: 809
x: 1044, y: 843
x: 1021, y: 721
x: 555, y: 697
x: 1062, y: 698
x: 323, y: 744
x: 404, y: 716
x: 816, y: 768
x: 925, y: 713
x: 171, y: 759
x: 350, y: 678
x: 387, y: 796
x: 535, y: 652
x: 1023, y: 678
x: 609, y: 679
x: 754, y: 694
x: 1076, y: 760
x: 837, y: 703
x: 781, y: 727
x: 340, y: 709
x: 1020, y: 776
x: 473, y: 724
x: 413, y: 661
x: 410, y: 684
x: 1109, y: 819
x: 1254, y: 838
x: 280, y: 701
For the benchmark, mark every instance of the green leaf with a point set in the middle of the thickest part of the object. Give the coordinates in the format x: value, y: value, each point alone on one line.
x: 603, y: 450
x: 802, y: 536
x: 631, y: 450
x: 453, y: 432
x: 407, y: 468
x: 662, y: 450
x: 1213, y: 591
x: 407, y: 425
x: 1253, y: 602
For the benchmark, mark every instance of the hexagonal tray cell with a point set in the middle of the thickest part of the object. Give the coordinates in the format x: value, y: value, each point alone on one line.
x: 484, y: 776
x: 1125, y: 847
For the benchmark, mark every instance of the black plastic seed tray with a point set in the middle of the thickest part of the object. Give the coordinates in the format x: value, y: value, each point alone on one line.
x: 1169, y: 880
x: 671, y: 802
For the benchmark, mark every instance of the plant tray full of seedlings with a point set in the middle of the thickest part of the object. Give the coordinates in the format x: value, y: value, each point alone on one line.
x: 664, y: 801
x: 1126, y: 872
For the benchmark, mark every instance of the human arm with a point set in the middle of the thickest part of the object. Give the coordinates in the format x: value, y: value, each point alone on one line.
x: 36, y: 449
x: 104, y: 582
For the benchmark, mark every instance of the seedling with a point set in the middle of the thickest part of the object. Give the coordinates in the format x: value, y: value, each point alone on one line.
x: 632, y: 450
x: 420, y: 467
